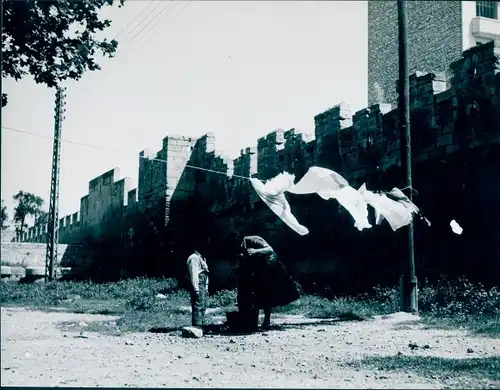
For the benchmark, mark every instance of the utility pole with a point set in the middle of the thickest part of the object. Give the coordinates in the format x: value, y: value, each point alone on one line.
x: 408, y: 282
x: 53, y: 225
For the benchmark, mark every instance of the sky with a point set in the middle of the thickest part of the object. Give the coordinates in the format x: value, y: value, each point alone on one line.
x: 239, y: 69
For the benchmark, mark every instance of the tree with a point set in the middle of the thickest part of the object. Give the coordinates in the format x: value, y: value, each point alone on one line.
x: 4, y: 216
x: 42, y: 218
x: 53, y: 40
x: 27, y: 205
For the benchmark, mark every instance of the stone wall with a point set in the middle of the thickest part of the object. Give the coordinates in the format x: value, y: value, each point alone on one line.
x: 24, y: 255
x: 455, y: 142
x: 434, y: 41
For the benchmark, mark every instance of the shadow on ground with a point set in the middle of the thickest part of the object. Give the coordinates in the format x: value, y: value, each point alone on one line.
x: 225, y: 330
x: 476, y: 368
x: 144, y: 321
x: 104, y: 327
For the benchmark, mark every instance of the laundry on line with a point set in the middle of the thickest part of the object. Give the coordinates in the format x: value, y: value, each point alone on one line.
x: 273, y: 194
x: 394, y: 206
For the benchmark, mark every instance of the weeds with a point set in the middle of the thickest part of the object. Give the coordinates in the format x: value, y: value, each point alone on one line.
x: 445, y: 304
x: 318, y: 307
x: 474, y: 368
x: 452, y: 304
x: 225, y: 298
x: 41, y: 294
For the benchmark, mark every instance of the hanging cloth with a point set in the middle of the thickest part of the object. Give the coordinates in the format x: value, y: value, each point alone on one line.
x: 330, y: 185
x: 354, y: 203
x: 400, y: 197
x: 394, y: 206
x: 272, y: 193
x: 319, y: 180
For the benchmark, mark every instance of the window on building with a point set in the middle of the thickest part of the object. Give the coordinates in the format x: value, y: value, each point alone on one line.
x: 487, y: 9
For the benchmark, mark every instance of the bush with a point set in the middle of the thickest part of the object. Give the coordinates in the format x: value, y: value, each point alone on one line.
x: 447, y: 298
x: 148, y: 302
x: 40, y: 294
x: 459, y: 299
x: 223, y: 298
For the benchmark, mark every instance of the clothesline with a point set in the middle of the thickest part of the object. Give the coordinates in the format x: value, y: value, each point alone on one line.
x: 393, y: 206
x: 249, y: 178
x: 328, y: 184
x: 238, y: 176
x: 278, y: 203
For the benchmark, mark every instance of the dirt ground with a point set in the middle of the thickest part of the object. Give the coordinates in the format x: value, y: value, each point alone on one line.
x: 36, y: 352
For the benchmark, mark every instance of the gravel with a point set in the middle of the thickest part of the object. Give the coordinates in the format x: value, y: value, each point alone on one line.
x: 36, y: 352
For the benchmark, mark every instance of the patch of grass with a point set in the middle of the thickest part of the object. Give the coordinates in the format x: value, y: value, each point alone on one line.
x: 143, y: 321
x: 60, y: 292
x: 147, y: 312
x: 223, y: 299
x: 94, y: 306
x: 474, y: 368
x: 451, y: 305
x: 446, y: 304
x: 480, y: 325
x: 103, y: 327
x: 149, y: 302
x: 346, y: 308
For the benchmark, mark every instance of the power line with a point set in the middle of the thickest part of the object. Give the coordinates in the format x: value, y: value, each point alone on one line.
x: 133, y: 20
x: 147, y: 24
x: 137, y: 25
x: 116, y: 151
x: 159, y: 20
x: 142, y: 20
x: 187, y: 3
x: 127, y: 44
x: 67, y: 141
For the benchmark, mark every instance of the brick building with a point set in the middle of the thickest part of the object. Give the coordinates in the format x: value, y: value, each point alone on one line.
x: 438, y: 33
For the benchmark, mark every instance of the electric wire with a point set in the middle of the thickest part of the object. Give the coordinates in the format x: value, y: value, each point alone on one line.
x: 127, y: 46
x: 142, y: 20
x: 128, y: 43
x: 163, y: 17
x: 8, y: 128
x: 133, y: 20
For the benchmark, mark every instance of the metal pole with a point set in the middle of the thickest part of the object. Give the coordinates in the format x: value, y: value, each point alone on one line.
x: 53, y: 225
x: 409, y: 284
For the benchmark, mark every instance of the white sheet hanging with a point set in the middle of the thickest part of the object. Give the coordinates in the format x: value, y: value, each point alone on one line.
x: 272, y: 193
x: 279, y: 184
x: 330, y: 185
x: 354, y: 203
x: 393, y: 206
x: 408, y: 203
x: 319, y: 180
x: 398, y: 213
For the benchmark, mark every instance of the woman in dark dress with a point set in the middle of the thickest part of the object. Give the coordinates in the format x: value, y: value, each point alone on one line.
x: 263, y: 280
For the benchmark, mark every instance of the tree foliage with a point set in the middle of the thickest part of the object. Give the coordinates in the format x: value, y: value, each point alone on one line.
x: 4, y: 217
x: 53, y: 40
x: 27, y: 205
x: 42, y: 218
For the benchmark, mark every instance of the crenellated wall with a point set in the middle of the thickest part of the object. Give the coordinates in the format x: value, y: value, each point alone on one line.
x: 455, y: 140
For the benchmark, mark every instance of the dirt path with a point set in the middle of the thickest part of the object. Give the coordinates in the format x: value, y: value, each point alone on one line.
x: 35, y: 352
